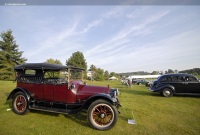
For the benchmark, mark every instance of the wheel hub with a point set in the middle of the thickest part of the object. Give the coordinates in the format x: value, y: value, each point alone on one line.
x: 167, y: 93
x: 102, y: 115
x: 19, y: 103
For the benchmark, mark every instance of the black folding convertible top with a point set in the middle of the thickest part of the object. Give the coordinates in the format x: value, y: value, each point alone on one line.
x: 43, y: 66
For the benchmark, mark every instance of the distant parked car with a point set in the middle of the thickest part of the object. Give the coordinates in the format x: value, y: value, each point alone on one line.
x: 134, y: 81
x: 139, y: 82
x: 170, y: 84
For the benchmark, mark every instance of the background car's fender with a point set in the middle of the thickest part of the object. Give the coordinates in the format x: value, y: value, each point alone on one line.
x: 28, y: 95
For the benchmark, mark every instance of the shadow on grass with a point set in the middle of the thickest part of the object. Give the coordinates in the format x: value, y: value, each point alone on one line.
x: 7, y: 94
x: 80, y: 118
x: 188, y: 95
x: 45, y: 113
x: 156, y: 94
x: 140, y: 92
x: 123, y: 118
x: 9, y: 103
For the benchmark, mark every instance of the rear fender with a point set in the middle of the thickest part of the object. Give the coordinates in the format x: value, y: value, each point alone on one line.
x: 168, y: 86
x: 19, y: 90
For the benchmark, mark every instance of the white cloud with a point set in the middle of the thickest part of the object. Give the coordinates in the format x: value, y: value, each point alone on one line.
x: 123, y: 36
x: 173, y: 52
x: 113, y: 12
x: 53, y: 40
x: 92, y: 24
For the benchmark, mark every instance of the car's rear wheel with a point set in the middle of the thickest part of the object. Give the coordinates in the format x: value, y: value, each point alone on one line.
x: 167, y: 92
x: 20, y: 103
x: 102, y: 115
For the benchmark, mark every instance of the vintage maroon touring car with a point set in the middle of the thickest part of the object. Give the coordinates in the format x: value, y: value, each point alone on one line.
x: 60, y: 89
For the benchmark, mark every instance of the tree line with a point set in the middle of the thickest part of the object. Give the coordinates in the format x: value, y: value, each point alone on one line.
x: 11, y: 56
x: 194, y: 71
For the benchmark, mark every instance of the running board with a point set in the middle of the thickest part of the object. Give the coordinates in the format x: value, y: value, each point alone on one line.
x: 53, y: 110
x: 48, y: 110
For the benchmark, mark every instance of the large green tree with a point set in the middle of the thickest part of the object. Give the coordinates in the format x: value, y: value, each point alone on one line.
x: 106, y: 75
x: 9, y: 55
x: 112, y: 74
x: 170, y: 71
x: 77, y: 60
x: 99, y: 74
x: 93, y: 69
x: 52, y: 61
x: 155, y: 73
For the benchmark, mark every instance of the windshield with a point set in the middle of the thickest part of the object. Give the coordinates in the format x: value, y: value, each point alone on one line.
x: 75, y: 74
x: 64, y: 75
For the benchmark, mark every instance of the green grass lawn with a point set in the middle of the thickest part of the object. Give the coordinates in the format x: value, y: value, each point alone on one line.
x: 154, y: 115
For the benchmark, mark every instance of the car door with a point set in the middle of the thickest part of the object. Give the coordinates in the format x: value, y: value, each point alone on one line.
x: 55, y: 87
x: 192, y: 85
x: 38, y: 89
x: 180, y: 84
x: 49, y: 82
x: 176, y: 83
x: 55, y: 91
x: 60, y: 92
x: 48, y: 89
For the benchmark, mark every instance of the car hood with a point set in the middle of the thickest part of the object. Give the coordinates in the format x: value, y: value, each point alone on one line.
x: 85, y: 91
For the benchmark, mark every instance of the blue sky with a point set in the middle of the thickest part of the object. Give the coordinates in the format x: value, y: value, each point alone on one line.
x: 114, y: 38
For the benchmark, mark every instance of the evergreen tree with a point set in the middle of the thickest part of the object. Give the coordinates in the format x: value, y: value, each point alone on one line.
x: 106, y: 75
x: 93, y: 69
x: 170, y: 71
x: 112, y: 74
x: 77, y: 60
x: 155, y: 73
x: 52, y: 61
x: 99, y: 74
x: 9, y: 55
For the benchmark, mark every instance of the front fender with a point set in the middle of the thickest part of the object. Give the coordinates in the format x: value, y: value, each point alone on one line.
x: 103, y: 96
x: 19, y: 90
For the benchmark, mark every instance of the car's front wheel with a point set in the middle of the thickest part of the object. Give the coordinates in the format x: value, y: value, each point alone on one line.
x: 102, y: 115
x: 20, y: 103
x: 167, y: 92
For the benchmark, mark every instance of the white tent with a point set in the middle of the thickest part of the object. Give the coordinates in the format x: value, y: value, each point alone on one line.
x: 143, y: 76
x: 113, y: 78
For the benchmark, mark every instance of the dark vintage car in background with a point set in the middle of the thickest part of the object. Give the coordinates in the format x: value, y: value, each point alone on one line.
x: 60, y: 89
x: 170, y: 84
x: 141, y: 81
